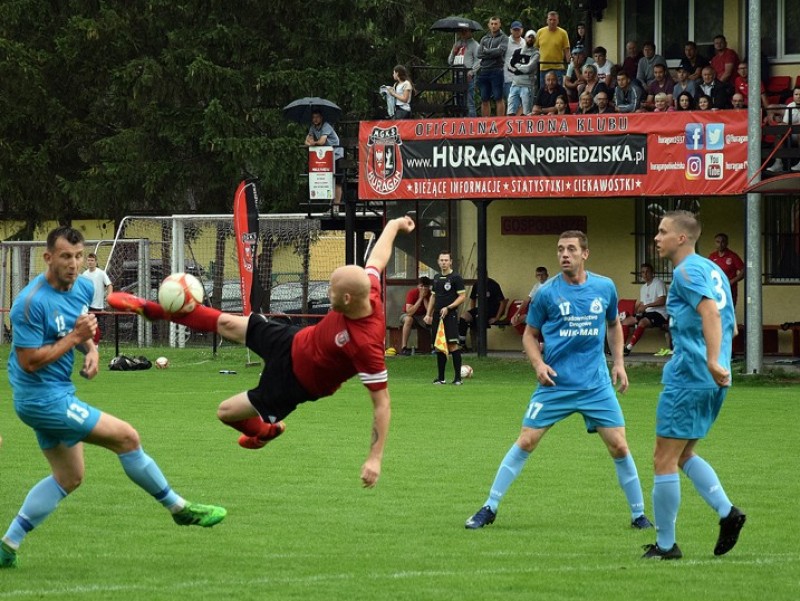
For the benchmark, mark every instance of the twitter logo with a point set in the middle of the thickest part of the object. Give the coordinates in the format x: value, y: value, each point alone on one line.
x: 715, y: 136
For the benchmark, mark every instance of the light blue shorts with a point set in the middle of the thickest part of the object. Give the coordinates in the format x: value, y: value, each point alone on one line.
x: 67, y: 419
x: 688, y: 414
x: 599, y: 408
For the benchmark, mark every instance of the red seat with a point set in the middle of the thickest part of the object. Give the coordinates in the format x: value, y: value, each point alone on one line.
x: 627, y: 306
x: 513, y: 309
x: 778, y: 84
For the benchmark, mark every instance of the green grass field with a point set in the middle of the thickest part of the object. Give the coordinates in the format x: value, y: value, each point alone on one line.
x: 300, y: 526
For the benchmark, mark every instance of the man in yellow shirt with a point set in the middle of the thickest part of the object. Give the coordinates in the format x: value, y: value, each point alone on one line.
x: 554, y: 49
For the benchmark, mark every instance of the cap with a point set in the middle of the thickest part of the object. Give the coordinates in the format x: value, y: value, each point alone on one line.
x: 516, y: 25
x: 579, y: 49
x: 530, y: 33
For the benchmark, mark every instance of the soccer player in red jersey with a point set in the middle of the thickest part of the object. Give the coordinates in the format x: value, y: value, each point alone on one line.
x: 305, y: 364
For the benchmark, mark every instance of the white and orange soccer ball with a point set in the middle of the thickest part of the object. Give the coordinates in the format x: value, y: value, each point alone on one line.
x: 466, y: 372
x: 180, y: 293
x: 162, y: 363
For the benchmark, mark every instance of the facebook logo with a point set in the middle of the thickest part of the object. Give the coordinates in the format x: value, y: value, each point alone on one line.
x: 694, y: 136
x: 715, y: 136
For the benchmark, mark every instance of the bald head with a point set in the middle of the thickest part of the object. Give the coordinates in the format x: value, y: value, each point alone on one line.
x: 349, y: 291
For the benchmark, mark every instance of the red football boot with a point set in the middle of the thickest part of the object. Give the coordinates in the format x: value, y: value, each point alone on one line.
x: 258, y: 442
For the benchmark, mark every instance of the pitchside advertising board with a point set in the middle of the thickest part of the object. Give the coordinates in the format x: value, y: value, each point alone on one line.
x: 643, y: 154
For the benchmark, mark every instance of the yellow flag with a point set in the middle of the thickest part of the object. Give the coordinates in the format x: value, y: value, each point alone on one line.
x: 440, y: 344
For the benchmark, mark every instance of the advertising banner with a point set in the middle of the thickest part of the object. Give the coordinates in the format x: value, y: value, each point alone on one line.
x: 613, y: 155
x: 320, y: 172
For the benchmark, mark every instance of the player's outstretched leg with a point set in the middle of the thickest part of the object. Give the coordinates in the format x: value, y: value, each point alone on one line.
x: 268, y: 432
x: 195, y: 514
x: 128, y: 303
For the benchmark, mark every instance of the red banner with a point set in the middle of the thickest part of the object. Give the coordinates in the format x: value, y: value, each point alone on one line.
x: 643, y: 154
x: 245, y: 227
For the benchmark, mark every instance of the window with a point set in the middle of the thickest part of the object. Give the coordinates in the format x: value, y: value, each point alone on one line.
x: 648, y: 215
x: 780, y: 35
x: 678, y: 21
x: 781, y: 240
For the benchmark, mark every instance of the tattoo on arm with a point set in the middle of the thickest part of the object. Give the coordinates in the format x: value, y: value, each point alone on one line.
x: 374, y: 435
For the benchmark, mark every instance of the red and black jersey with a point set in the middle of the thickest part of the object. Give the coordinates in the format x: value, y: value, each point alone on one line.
x: 331, y: 352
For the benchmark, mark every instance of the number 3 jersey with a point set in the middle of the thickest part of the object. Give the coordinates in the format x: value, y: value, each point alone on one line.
x: 572, y: 319
x: 694, y: 279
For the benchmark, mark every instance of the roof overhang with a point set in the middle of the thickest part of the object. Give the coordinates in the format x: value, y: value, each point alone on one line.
x: 788, y: 183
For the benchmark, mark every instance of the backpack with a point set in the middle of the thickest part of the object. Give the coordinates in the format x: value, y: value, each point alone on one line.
x: 125, y: 363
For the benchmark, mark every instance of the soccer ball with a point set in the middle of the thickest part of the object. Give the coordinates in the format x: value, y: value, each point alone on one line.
x: 162, y: 363
x: 466, y: 372
x: 180, y: 293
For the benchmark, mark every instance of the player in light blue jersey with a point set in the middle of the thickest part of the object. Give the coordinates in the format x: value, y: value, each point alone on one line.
x: 696, y: 380
x: 574, y: 311
x: 50, y: 318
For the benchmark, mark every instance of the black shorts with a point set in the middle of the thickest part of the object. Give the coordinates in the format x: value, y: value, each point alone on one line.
x: 450, y: 325
x: 656, y: 319
x: 278, y: 392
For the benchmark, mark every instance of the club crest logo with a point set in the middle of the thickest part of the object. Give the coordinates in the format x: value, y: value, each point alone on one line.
x: 342, y: 338
x: 384, y: 160
x: 249, y: 241
x: 597, y: 306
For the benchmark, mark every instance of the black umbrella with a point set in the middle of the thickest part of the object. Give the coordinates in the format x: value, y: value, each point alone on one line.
x: 455, y: 24
x: 300, y: 110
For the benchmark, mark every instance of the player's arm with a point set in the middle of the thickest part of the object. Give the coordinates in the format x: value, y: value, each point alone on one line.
x: 454, y: 305
x: 501, y: 310
x: 385, y: 243
x: 530, y: 342
x: 616, y: 342
x: 428, y: 319
x: 382, y: 413
x: 33, y: 359
x: 712, y: 334
x: 739, y: 276
x: 91, y: 359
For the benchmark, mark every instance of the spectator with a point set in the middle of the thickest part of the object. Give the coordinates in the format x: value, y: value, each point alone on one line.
x: 525, y: 82
x: 448, y: 293
x: 651, y: 309
x: 593, y: 83
x: 545, y: 102
x: 630, y: 65
x: 685, y: 101
x: 574, y: 81
x: 719, y: 92
x: 704, y: 102
x: 603, y: 65
x: 791, y: 115
x: 684, y: 84
x: 580, y: 34
x: 492, y: 54
x: 729, y: 262
x: 553, y: 45
x: 662, y: 103
x: 102, y: 288
x: 740, y: 85
x: 602, y: 103
x: 401, y: 92
x: 416, y: 308
x: 586, y: 105
x: 321, y: 133
x: 662, y: 84
x: 496, y: 304
x: 645, y: 73
x: 724, y: 60
x: 562, y: 106
x: 541, y: 278
x: 737, y: 101
x: 627, y: 97
x: 515, y: 42
x: 692, y: 62
x: 465, y: 54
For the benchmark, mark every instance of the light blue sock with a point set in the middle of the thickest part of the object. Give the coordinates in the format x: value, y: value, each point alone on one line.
x: 707, y: 483
x: 628, y: 479
x: 510, y: 468
x: 666, y: 501
x: 41, y: 501
x: 141, y: 468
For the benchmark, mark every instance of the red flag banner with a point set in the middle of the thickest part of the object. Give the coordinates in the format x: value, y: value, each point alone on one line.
x: 245, y: 227
x: 678, y: 154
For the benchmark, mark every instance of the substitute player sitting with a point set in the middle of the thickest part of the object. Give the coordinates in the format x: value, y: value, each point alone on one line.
x: 305, y: 364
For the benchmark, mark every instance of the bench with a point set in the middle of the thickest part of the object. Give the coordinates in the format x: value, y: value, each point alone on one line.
x: 395, y: 338
x: 769, y: 338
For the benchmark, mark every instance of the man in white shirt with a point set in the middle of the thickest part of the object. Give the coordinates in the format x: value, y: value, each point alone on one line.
x: 102, y: 288
x: 651, y: 310
x: 515, y: 42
